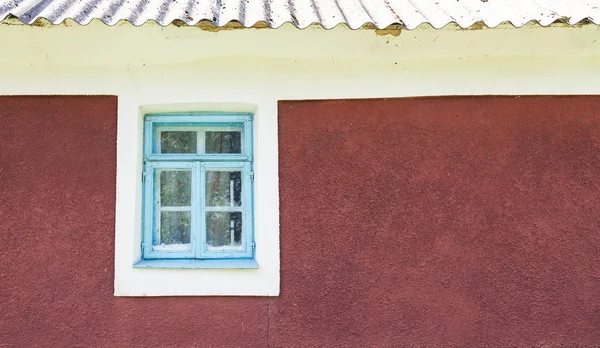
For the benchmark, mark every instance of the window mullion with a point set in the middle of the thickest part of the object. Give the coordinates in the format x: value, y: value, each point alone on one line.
x: 247, y: 134
x: 194, y: 225
x: 157, y: 213
x: 148, y: 138
x: 199, y: 189
x: 247, y: 201
x: 149, y: 207
x: 201, y: 209
x: 201, y: 141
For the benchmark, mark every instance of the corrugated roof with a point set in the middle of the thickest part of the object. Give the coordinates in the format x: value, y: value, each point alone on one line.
x: 302, y: 13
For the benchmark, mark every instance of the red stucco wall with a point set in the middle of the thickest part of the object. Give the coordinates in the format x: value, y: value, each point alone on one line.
x: 407, y: 222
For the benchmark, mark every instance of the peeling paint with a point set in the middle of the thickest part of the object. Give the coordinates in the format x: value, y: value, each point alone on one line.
x: 477, y: 26
x: 233, y: 25
x: 582, y: 23
x: 38, y: 23
x: 394, y: 29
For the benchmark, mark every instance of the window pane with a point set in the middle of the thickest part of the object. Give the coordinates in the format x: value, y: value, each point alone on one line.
x: 224, y: 229
x: 174, y: 230
x: 175, y: 188
x: 223, y: 189
x: 178, y: 142
x: 223, y: 142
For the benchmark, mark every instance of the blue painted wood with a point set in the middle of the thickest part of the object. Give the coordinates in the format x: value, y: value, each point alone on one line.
x: 249, y: 187
x: 198, y: 163
x: 248, y: 137
x: 247, y: 219
x: 162, y: 254
x: 187, y: 264
x: 148, y: 210
x: 151, y: 213
x: 202, y: 213
x: 193, y: 157
x: 148, y: 136
x: 197, y: 204
x: 189, y: 125
x: 199, y: 118
x: 200, y: 128
x: 239, y: 115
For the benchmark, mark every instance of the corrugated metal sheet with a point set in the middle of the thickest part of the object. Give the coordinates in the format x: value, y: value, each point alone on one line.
x: 302, y: 13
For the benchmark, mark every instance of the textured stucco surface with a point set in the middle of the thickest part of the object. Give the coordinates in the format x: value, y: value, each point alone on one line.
x: 57, y: 203
x: 408, y: 222
x: 440, y: 222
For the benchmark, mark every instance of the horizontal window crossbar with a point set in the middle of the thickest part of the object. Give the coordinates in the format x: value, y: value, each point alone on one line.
x: 175, y: 208
x: 195, y: 118
x: 199, y: 157
x: 224, y: 209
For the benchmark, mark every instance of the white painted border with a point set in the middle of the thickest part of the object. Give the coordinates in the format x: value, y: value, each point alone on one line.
x: 130, y: 281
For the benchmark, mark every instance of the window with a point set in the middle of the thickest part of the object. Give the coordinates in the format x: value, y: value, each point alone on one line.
x: 139, y: 151
x: 197, y: 191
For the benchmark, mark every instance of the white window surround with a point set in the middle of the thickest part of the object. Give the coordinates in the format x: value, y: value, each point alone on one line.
x: 131, y: 281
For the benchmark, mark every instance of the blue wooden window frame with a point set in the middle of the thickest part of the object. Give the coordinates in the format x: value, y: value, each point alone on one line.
x: 198, y: 164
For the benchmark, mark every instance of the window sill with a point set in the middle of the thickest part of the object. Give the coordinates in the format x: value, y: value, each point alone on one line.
x: 191, y: 264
